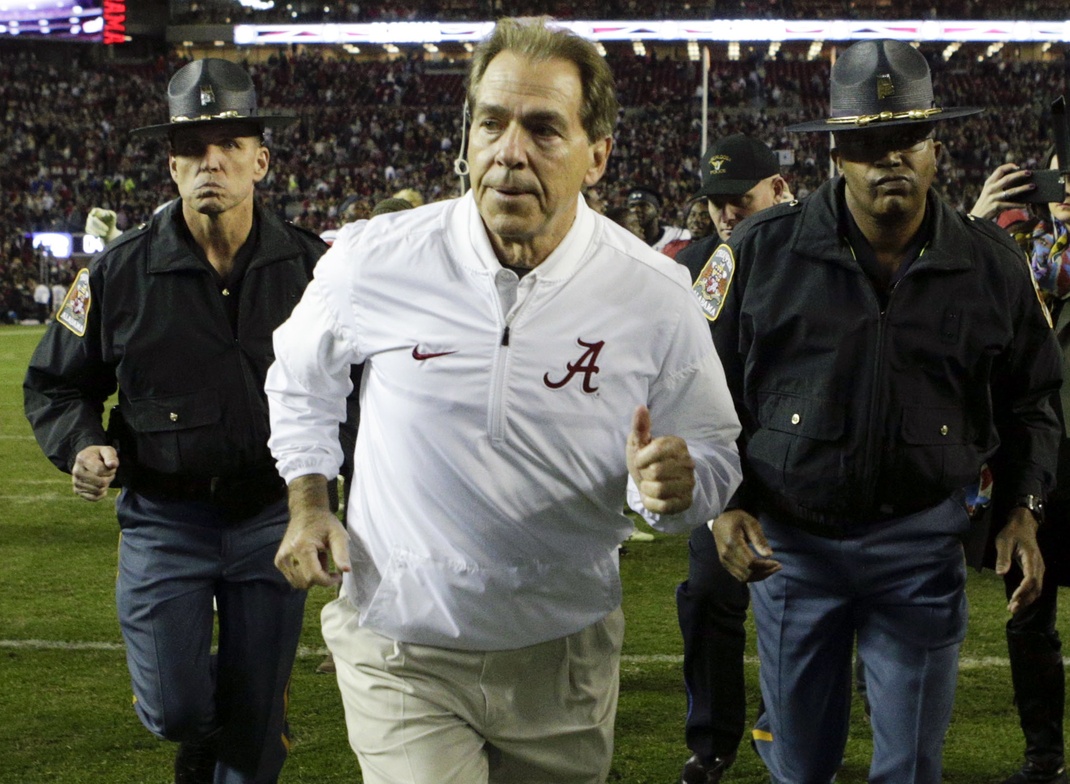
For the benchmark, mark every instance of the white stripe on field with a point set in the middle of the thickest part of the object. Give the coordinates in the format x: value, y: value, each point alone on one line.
x: 304, y: 652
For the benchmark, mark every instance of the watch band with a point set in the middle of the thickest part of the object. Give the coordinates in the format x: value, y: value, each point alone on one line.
x: 1034, y: 503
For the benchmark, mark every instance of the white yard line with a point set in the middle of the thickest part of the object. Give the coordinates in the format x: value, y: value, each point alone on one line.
x: 304, y: 652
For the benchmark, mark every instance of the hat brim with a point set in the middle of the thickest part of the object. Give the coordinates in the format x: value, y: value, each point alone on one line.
x: 831, y: 126
x: 267, y: 121
x: 728, y: 188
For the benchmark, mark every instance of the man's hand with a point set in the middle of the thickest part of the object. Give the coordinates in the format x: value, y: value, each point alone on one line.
x: 739, y: 536
x: 1003, y: 190
x: 101, y: 223
x: 313, y: 538
x: 661, y: 468
x: 93, y: 471
x: 1018, y: 540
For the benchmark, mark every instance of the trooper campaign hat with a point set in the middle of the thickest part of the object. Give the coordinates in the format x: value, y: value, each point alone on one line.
x: 211, y: 91
x: 879, y: 84
x: 734, y: 165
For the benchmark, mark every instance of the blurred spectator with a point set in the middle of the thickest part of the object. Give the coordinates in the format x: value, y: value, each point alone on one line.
x: 645, y: 203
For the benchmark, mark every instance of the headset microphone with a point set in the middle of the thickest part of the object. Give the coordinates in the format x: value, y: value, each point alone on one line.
x: 460, y: 164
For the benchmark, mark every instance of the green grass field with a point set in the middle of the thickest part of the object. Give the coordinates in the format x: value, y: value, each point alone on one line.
x: 65, y: 697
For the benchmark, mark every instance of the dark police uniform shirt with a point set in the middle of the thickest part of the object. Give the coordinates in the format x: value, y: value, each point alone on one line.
x: 854, y: 408
x: 188, y: 350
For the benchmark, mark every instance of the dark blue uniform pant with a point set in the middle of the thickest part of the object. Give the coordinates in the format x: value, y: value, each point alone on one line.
x: 1036, y: 650
x: 899, y: 585
x: 712, y: 608
x: 174, y: 558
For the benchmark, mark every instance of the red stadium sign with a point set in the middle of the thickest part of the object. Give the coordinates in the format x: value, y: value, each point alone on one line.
x: 114, y: 21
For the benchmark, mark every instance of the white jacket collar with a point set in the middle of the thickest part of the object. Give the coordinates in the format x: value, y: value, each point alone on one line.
x: 468, y: 228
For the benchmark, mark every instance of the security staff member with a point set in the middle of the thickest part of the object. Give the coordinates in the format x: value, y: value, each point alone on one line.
x: 740, y: 177
x: 880, y: 347
x: 179, y: 315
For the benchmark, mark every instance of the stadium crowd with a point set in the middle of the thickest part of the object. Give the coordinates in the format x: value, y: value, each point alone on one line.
x: 369, y: 129
x: 349, y: 11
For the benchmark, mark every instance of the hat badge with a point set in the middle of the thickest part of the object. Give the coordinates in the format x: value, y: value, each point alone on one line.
x: 717, y: 163
x: 207, y: 95
x: 885, y: 86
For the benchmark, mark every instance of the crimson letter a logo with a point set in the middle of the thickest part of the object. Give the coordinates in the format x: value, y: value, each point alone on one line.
x: 585, y: 365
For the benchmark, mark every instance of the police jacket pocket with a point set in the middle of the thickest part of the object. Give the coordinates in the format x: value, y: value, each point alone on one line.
x: 928, y: 425
x: 801, y: 416
x: 170, y: 429
x: 796, y: 449
x: 935, y: 454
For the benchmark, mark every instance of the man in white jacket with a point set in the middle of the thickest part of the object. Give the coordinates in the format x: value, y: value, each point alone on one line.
x: 526, y: 362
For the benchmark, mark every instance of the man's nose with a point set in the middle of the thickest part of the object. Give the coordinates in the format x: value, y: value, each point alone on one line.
x: 511, y: 152
x: 212, y: 157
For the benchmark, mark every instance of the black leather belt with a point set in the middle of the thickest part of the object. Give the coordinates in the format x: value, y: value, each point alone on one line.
x: 237, y: 496
x: 831, y: 526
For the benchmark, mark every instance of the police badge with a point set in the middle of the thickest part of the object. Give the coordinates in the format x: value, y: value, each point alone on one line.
x: 74, y: 313
x: 711, y: 286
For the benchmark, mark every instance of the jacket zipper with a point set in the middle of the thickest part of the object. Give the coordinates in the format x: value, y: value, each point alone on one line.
x: 874, y: 420
x: 496, y: 415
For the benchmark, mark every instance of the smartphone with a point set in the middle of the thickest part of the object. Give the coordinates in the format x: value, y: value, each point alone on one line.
x: 1051, y: 187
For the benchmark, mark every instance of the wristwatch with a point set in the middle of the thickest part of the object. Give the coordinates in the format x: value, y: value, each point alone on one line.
x: 1034, y: 503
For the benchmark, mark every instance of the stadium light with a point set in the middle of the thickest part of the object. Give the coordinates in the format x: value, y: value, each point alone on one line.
x: 726, y: 30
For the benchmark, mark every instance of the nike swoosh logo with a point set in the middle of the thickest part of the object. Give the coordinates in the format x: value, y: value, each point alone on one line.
x: 416, y: 354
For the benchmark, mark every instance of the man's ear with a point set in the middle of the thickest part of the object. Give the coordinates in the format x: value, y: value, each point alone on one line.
x: 600, y: 151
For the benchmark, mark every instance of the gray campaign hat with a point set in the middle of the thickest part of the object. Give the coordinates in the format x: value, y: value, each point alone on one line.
x: 211, y: 91
x: 878, y: 84
x: 735, y: 164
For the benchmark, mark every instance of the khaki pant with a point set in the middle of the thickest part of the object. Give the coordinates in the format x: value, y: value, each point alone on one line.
x: 418, y: 714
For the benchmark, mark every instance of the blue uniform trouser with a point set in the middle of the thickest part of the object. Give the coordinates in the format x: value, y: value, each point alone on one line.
x: 174, y: 558
x: 899, y: 586
x: 712, y: 609
x: 1036, y: 650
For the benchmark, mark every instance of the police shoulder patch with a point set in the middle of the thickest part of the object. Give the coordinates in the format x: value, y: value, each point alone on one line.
x: 711, y: 285
x: 74, y: 312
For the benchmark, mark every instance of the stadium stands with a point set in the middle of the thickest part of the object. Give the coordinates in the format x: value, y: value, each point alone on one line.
x: 370, y: 128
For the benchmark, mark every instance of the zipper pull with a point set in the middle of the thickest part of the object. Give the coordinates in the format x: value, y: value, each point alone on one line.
x: 505, y: 337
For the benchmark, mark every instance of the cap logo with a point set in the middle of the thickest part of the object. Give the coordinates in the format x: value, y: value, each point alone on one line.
x: 207, y: 96
x: 885, y: 87
x: 717, y: 164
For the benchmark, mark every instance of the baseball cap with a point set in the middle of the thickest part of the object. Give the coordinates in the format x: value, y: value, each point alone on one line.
x: 642, y: 193
x: 736, y: 164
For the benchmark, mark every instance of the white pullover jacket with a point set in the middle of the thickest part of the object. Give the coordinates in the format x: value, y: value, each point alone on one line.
x: 486, y: 509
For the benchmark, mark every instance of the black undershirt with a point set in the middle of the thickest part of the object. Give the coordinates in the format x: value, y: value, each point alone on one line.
x: 520, y: 271
x: 867, y: 258
x: 229, y: 287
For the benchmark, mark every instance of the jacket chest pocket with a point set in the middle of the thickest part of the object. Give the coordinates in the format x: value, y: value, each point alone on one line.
x: 172, y: 431
x: 935, y: 449
x: 794, y: 448
x: 929, y: 426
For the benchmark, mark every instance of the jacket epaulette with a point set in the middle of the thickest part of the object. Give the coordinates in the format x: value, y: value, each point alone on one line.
x: 307, y: 232
x: 127, y: 236
x: 775, y: 212
x: 991, y: 231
